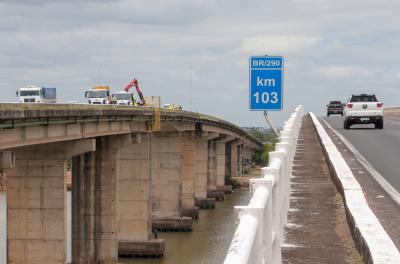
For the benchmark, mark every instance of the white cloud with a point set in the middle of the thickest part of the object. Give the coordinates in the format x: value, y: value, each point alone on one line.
x: 334, y: 44
x: 343, y: 72
x: 279, y: 44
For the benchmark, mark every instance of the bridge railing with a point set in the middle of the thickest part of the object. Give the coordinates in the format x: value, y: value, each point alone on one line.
x: 259, y: 234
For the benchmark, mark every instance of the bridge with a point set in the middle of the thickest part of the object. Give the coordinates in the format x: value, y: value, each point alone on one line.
x: 320, y: 199
x: 133, y: 170
x: 138, y: 169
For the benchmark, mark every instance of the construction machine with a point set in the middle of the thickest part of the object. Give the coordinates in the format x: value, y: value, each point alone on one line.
x: 135, y: 83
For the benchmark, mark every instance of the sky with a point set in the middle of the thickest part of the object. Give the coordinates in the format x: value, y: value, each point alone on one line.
x: 196, y: 53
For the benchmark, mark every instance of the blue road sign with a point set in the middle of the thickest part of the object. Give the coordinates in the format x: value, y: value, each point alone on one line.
x: 266, y: 83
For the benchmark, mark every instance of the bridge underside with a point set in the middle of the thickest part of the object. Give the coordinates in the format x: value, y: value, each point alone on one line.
x: 125, y: 178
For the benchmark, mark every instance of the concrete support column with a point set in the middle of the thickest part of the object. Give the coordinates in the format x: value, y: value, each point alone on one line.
x: 134, y: 200
x: 234, y: 158
x: 221, y: 172
x: 200, y: 169
x: 188, y: 163
x: 203, y: 169
x: 94, y: 203
x: 166, y: 174
x: 134, y: 214
x: 36, y: 202
x: 212, y: 168
x: 240, y: 159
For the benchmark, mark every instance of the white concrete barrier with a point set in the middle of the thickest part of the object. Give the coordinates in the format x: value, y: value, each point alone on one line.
x: 259, y: 235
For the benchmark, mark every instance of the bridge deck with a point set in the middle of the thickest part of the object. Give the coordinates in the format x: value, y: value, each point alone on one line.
x: 317, y: 231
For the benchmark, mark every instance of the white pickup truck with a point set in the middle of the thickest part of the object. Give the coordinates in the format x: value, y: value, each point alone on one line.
x: 363, y: 109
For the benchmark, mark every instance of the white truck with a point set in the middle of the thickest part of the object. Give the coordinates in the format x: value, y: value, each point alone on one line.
x: 98, y: 95
x: 122, y: 98
x: 363, y: 109
x: 35, y: 94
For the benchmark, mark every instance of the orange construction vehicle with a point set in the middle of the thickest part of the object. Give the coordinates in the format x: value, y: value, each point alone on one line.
x: 135, y: 83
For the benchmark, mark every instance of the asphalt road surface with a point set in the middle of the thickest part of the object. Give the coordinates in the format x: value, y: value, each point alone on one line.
x: 380, y: 147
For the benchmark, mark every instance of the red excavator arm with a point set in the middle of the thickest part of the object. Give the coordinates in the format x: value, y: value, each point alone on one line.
x: 135, y: 83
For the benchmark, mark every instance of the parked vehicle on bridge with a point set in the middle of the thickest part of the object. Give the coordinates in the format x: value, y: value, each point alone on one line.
x: 172, y: 106
x: 98, y: 95
x: 35, y: 94
x: 122, y: 98
x: 334, y: 107
x: 363, y: 109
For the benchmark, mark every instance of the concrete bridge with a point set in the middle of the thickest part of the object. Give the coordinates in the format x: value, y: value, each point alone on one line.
x: 134, y: 169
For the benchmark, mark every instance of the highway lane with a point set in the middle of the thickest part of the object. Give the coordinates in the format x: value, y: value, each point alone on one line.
x: 381, y: 148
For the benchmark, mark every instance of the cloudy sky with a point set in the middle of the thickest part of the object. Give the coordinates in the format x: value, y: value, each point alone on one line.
x: 195, y: 52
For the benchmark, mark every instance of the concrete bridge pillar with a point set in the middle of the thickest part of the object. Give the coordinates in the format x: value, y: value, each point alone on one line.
x: 94, y: 202
x: 234, y: 158
x: 134, y: 204
x: 240, y: 159
x: 188, y: 162
x: 134, y: 214
x: 221, y: 165
x: 201, y: 169
x: 166, y: 178
x: 7, y: 161
x: 36, y: 206
x: 166, y: 174
x: 212, y: 169
x: 221, y: 172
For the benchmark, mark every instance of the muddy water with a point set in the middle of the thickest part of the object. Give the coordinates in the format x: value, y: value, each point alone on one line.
x: 209, y: 241
x: 207, y: 244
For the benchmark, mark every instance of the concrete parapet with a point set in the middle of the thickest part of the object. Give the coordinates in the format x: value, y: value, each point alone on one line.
x: 173, y: 224
x: 142, y: 248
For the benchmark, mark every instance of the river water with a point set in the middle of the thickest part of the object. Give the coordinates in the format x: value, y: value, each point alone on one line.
x: 207, y: 244
x: 209, y: 241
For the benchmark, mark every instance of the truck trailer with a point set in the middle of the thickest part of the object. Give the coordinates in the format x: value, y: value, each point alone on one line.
x: 35, y: 94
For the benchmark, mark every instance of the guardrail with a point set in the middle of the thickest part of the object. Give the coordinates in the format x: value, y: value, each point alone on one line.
x: 259, y: 234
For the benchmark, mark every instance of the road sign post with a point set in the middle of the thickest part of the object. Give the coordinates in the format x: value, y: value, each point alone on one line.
x: 266, y: 85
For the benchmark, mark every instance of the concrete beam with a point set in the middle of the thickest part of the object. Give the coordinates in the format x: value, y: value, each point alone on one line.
x: 78, y: 147
x: 176, y: 126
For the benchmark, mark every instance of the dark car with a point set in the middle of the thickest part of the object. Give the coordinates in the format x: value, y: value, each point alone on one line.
x: 334, y: 107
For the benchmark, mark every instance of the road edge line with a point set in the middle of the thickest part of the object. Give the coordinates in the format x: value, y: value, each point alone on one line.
x: 386, y: 186
x: 371, y: 239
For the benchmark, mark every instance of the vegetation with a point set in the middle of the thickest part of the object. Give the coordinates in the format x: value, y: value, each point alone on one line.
x: 69, y: 164
x: 269, y: 139
x: 232, y: 182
